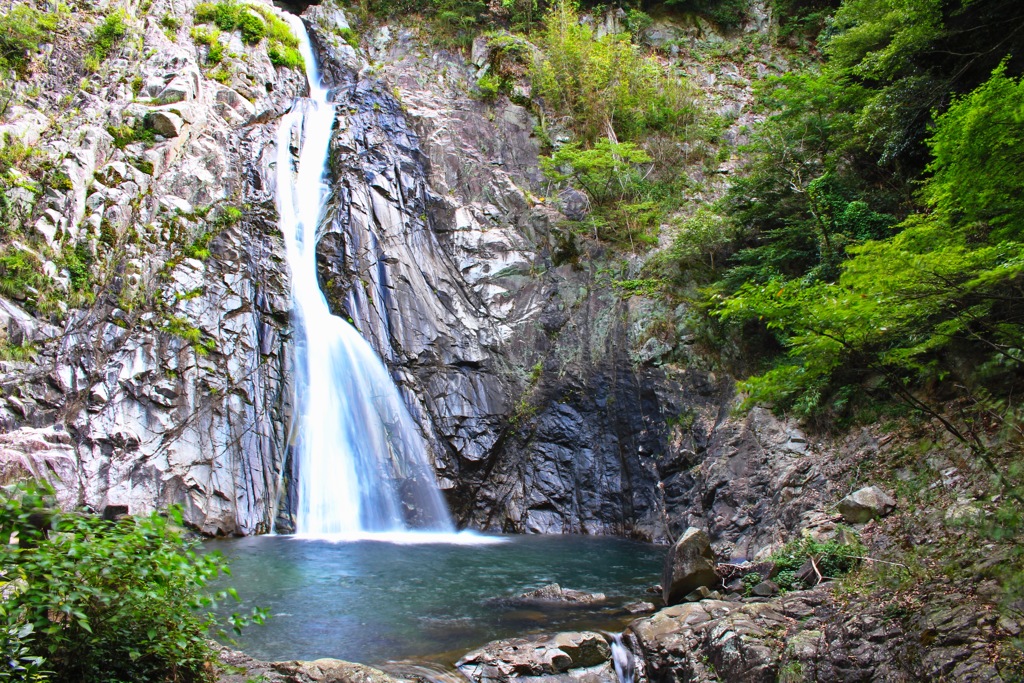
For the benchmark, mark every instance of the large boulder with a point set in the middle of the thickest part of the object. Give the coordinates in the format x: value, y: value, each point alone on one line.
x: 542, y: 655
x: 238, y: 667
x: 690, y: 564
x: 866, y: 504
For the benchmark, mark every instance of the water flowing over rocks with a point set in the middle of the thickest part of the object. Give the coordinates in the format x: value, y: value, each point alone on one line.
x: 546, y: 405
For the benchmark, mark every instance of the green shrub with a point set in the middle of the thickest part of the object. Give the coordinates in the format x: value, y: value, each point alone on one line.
x: 282, y: 55
x: 252, y: 28
x: 16, y: 154
x: 59, y: 180
x: 833, y: 559
x: 608, y: 172
x: 78, y: 261
x: 103, y: 601
x: 109, y: 34
x: 349, y: 36
x: 254, y: 23
x: 125, y: 135
x: 183, y: 329
x: 489, y: 86
x: 603, y: 84
x: 170, y: 22
x: 21, y: 276
x: 22, y: 30
x: 728, y: 14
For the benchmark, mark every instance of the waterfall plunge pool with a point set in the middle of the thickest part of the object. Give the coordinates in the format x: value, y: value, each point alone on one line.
x: 374, y: 602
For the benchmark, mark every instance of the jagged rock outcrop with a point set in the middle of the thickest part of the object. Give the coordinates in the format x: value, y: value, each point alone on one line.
x: 813, y: 636
x: 585, y: 654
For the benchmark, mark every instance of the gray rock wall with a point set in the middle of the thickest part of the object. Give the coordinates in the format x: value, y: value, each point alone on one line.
x: 172, y: 386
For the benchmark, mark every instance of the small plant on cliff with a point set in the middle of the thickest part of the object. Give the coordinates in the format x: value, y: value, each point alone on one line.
x: 254, y: 23
x: 111, y: 31
x: 94, y: 601
x: 822, y: 559
x: 22, y: 30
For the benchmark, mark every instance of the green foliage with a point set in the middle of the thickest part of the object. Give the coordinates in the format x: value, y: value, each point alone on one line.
x: 349, y: 36
x: 170, y: 22
x: 699, y: 250
x: 22, y: 30
x: 455, y: 21
x: 21, y: 276
x: 951, y: 280
x: 254, y: 23
x: 637, y: 21
x: 15, y: 154
x: 802, y: 18
x: 832, y: 558
x: 607, y: 84
x: 24, y: 351
x: 611, y: 174
x: 103, y: 601
x: 749, y: 581
x: 284, y: 56
x: 80, y: 264
x: 125, y: 135
x: 109, y: 34
x: 608, y: 172
x: 183, y: 329
x: 489, y: 86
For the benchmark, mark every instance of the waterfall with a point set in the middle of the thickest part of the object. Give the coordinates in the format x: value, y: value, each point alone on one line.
x: 362, y: 463
x: 622, y: 659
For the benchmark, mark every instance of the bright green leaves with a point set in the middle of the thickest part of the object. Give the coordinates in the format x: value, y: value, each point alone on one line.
x: 605, y: 85
x: 22, y: 30
x: 978, y: 148
x: 874, y: 39
x: 950, y: 282
x: 609, y: 171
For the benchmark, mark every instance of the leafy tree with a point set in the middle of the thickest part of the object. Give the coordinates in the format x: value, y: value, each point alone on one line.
x: 950, y: 283
x: 609, y: 171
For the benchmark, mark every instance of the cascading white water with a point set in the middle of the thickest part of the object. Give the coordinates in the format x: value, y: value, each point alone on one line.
x: 362, y: 463
x: 622, y: 659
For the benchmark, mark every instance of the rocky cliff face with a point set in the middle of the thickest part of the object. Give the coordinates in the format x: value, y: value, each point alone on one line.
x: 168, y: 382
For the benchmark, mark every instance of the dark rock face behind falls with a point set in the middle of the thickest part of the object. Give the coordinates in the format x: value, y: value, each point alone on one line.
x: 539, y: 386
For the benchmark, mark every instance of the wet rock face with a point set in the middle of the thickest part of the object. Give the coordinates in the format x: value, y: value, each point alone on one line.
x: 544, y: 393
